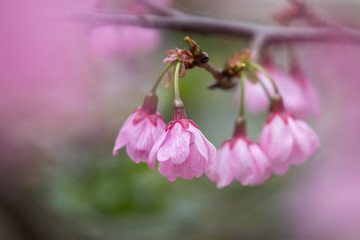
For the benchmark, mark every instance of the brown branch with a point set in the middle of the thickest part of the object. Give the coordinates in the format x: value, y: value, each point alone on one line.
x: 208, y: 25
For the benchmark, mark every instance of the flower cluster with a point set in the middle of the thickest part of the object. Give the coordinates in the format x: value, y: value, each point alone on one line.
x: 180, y: 148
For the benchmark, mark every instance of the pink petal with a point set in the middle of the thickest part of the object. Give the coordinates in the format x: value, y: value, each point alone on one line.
x: 206, y: 149
x: 155, y: 149
x: 197, y: 161
x: 184, y: 170
x: 171, y: 170
x: 312, y: 136
x: 167, y: 169
x: 306, y: 140
x: 277, y: 140
x: 300, y: 136
x: 199, y: 142
x: 141, y: 142
x: 137, y: 155
x: 136, y: 141
x: 261, y: 162
x: 221, y: 172
x: 242, y: 163
x: 312, y: 99
x: 293, y: 96
x: 176, y: 147
x: 122, y: 138
x: 158, y: 130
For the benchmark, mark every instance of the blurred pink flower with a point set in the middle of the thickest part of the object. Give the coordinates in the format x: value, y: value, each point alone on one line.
x: 45, y: 73
x: 322, y: 200
x: 126, y: 41
x: 286, y: 140
x: 182, y: 151
x: 123, y: 41
x: 241, y: 159
x: 140, y: 131
x: 298, y: 93
x: 47, y: 86
x: 83, y: 3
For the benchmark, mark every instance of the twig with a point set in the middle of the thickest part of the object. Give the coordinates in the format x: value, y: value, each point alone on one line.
x: 206, y: 25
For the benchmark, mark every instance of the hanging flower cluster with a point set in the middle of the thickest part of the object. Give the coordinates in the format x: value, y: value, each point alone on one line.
x: 180, y: 148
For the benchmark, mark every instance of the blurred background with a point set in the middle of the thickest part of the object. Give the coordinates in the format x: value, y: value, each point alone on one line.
x: 67, y: 88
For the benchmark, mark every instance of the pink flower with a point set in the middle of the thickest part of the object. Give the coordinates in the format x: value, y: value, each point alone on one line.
x: 311, y: 104
x: 298, y: 93
x: 140, y: 131
x: 286, y: 140
x: 182, y: 151
x: 241, y: 159
x: 126, y: 41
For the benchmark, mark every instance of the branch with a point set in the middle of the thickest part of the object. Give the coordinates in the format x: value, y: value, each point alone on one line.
x: 209, y: 25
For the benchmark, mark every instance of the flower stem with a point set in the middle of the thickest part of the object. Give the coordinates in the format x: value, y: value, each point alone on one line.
x: 265, y: 89
x: 153, y: 89
x: 262, y: 70
x: 179, y: 109
x: 176, y: 81
x: 242, y: 98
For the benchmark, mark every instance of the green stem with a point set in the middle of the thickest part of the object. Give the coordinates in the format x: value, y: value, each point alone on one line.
x: 262, y: 70
x: 176, y: 81
x: 153, y: 89
x: 242, y: 98
x: 265, y: 90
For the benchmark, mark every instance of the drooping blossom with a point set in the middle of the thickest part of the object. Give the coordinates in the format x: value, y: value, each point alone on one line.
x: 182, y: 150
x: 140, y: 131
x: 286, y: 140
x: 299, y: 95
x: 242, y: 159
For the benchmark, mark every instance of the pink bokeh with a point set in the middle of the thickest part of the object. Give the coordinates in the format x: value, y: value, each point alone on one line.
x: 125, y: 41
x: 323, y: 200
x: 46, y: 76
